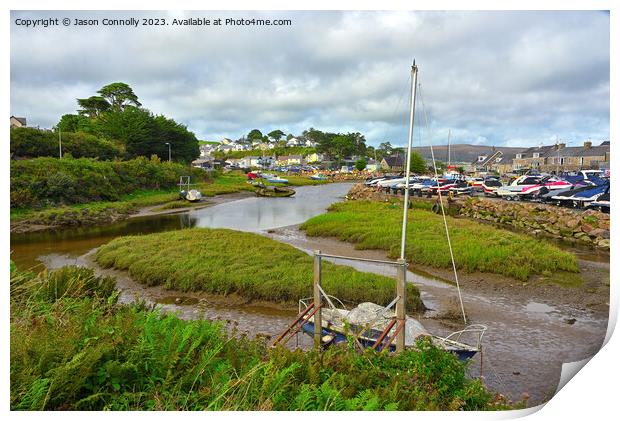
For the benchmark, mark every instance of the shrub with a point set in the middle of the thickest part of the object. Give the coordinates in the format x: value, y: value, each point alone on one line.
x: 42, y: 182
x: 28, y: 142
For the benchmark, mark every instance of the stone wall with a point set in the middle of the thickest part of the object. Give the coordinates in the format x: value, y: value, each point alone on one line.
x: 589, y: 227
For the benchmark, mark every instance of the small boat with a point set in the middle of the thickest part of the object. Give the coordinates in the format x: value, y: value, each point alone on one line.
x: 192, y: 195
x: 185, y: 193
x: 277, y: 179
x: 490, y: 185
x: 602, y: 203
x: 367, y: 321
x: 274, y: 191
x: 318, y: 177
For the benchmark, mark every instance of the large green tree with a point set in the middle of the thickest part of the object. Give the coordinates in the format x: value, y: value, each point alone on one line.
x: 255, y: 135
x: 117, y: 114
x: 119, y: 95
x: 276, y: 134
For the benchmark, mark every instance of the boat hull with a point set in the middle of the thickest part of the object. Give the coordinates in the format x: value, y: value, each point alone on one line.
x: 277, y: 192
x: 308, y: 328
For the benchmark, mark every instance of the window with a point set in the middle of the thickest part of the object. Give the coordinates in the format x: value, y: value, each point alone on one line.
x: 528, y: 180
x: 519, y: 156
x: 561, y: 161
x: 536, y: 155
x: 581, y: 160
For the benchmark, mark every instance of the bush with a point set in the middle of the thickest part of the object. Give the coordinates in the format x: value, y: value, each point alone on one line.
x: 32, y: 143
x: 42, y: 182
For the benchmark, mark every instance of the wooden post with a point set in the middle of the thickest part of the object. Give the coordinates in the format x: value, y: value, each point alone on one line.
x: 401, y: 311
x: 318, y: 320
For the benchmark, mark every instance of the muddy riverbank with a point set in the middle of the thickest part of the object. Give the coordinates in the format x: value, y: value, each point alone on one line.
x: 592, y: 294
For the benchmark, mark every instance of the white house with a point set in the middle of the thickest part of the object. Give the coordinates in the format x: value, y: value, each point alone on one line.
x: 206, y: 150
x: 250, y: 161
x: 293, y: 142
x: 18, y: 121
x: 225, y: 148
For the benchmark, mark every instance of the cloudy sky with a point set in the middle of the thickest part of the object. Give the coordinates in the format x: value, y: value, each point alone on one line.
x: 493, y: 78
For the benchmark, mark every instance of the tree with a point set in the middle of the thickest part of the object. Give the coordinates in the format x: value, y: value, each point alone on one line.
x: 74, y: 123
x: 276, y: 134
x: 385, y: 149
x: 93, y: 106
x: 360, y: 164
x: 119, y: 95
x: 418, y: 164
x: 255, y: 135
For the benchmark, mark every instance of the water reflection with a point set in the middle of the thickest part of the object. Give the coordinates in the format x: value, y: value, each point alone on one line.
x: 251, y: 214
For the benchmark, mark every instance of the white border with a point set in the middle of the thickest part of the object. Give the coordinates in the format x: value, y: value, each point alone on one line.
x: 590, y: 394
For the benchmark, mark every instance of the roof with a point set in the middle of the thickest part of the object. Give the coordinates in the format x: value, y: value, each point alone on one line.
x: 20, y: 119
x: 577, y: 151
x: 490, y: 158
x: 394, y: 161
x: 542, y: 150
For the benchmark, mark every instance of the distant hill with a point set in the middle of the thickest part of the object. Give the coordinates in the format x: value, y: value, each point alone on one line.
x: 462, y: 153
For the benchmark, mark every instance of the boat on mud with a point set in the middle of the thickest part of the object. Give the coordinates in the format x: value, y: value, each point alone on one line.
x: 274, y: 191
x: 185, y: 193
x: 370, y: 324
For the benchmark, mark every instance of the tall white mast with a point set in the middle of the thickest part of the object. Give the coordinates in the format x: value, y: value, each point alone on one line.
x: 449, y: 131
x: 414, y: 82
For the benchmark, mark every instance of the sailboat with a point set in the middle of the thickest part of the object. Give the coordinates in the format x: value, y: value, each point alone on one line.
x: 372, y: 325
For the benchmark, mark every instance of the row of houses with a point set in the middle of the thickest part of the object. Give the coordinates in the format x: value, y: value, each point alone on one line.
x: 552, y: 158
x: 227, y: 145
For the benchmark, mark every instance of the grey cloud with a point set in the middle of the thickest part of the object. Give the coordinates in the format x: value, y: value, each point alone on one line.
x: 498, y: 78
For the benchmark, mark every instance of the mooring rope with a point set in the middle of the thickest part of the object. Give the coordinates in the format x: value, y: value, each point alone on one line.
x: 443, y: 212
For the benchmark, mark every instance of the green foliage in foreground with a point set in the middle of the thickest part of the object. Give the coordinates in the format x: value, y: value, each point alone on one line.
x: 73, y: 347
x: 477, y: 247
x: 43, y: 182
x: 223, y: 261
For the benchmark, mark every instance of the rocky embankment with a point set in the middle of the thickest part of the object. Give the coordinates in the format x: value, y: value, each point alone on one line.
x: 580, y: 227
x: 589, y: 226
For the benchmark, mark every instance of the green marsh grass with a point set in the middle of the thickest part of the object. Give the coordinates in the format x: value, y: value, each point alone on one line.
x: 80, y: 349
x: 222, y: 261
x: 477, y: 247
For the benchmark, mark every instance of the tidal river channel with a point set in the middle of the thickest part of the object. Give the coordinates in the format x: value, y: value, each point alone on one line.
x: 523, y: 349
